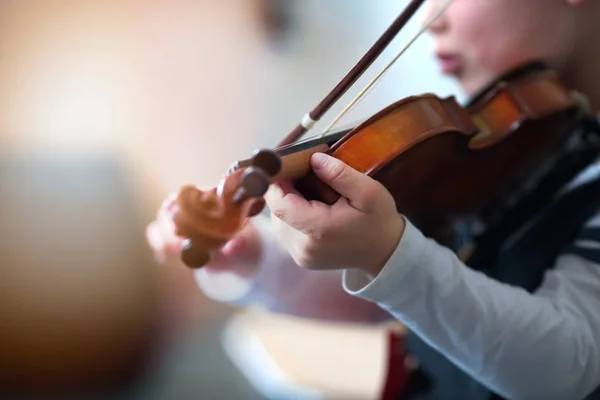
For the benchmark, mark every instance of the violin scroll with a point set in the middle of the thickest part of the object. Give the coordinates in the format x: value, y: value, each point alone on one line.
x: 209, y: 219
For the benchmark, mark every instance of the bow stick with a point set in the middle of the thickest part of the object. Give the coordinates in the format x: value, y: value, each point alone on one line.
x: 312, y: 117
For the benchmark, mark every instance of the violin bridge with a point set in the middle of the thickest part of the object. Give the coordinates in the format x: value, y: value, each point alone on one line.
x: 484, y: 132
x: 484, y: 128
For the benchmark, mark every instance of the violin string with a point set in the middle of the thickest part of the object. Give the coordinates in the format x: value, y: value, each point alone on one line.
x: 376, y: 80
x: 313, y: 137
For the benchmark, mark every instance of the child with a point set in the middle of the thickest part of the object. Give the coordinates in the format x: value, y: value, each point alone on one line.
x: 520, y: 322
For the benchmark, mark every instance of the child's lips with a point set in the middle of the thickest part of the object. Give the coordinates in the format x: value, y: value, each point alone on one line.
x: 449, y: 63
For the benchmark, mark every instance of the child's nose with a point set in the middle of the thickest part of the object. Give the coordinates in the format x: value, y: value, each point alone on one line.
x: 441, y: 23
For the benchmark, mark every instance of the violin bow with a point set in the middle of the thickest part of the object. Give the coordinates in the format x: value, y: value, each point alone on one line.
x: 312, y: 117
x: 378, y: 77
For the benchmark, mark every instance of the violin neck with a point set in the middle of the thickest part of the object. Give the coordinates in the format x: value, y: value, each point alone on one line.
x: 295, y: 158
x: 311, y: 143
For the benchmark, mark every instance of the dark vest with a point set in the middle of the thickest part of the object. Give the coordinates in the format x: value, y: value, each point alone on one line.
x: 550, y: 228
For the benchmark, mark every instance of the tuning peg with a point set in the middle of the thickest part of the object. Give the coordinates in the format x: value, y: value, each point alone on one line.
x: 268, y: 161
x: 265, y: 159
x: 254, y: 183
x: 193, y: 257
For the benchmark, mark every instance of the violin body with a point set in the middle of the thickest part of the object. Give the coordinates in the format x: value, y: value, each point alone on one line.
x: 439, y: 160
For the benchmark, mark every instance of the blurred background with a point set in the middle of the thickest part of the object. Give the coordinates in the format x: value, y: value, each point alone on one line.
x: 108, y: 106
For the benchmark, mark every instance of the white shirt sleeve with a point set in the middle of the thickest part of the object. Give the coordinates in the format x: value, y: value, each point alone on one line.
x: 544, y: 345
x: 228, y: 286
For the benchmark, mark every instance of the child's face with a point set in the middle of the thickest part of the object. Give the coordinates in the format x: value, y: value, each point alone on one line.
x: 477, y: 40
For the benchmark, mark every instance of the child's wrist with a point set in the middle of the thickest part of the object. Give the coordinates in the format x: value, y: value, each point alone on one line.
x: 397, y: 231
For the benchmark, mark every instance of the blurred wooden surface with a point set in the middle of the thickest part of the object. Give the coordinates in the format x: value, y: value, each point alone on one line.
x: 78, y: 297
x: 296, y: 358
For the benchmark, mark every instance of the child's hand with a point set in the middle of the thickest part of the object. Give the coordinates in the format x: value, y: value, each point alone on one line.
x: 241, y: 254
x: 361, y: 230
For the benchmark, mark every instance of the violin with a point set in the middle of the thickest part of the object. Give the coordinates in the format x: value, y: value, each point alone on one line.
x: 440, y: 161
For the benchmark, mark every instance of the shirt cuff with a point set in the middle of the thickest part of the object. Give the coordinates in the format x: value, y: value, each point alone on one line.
x: 406, y: 257
x: 222, y: 286
x: 228, y: 286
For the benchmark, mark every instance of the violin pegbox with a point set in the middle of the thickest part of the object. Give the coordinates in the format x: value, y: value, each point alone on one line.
x: 265, y: 159
x: 208, y: 219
